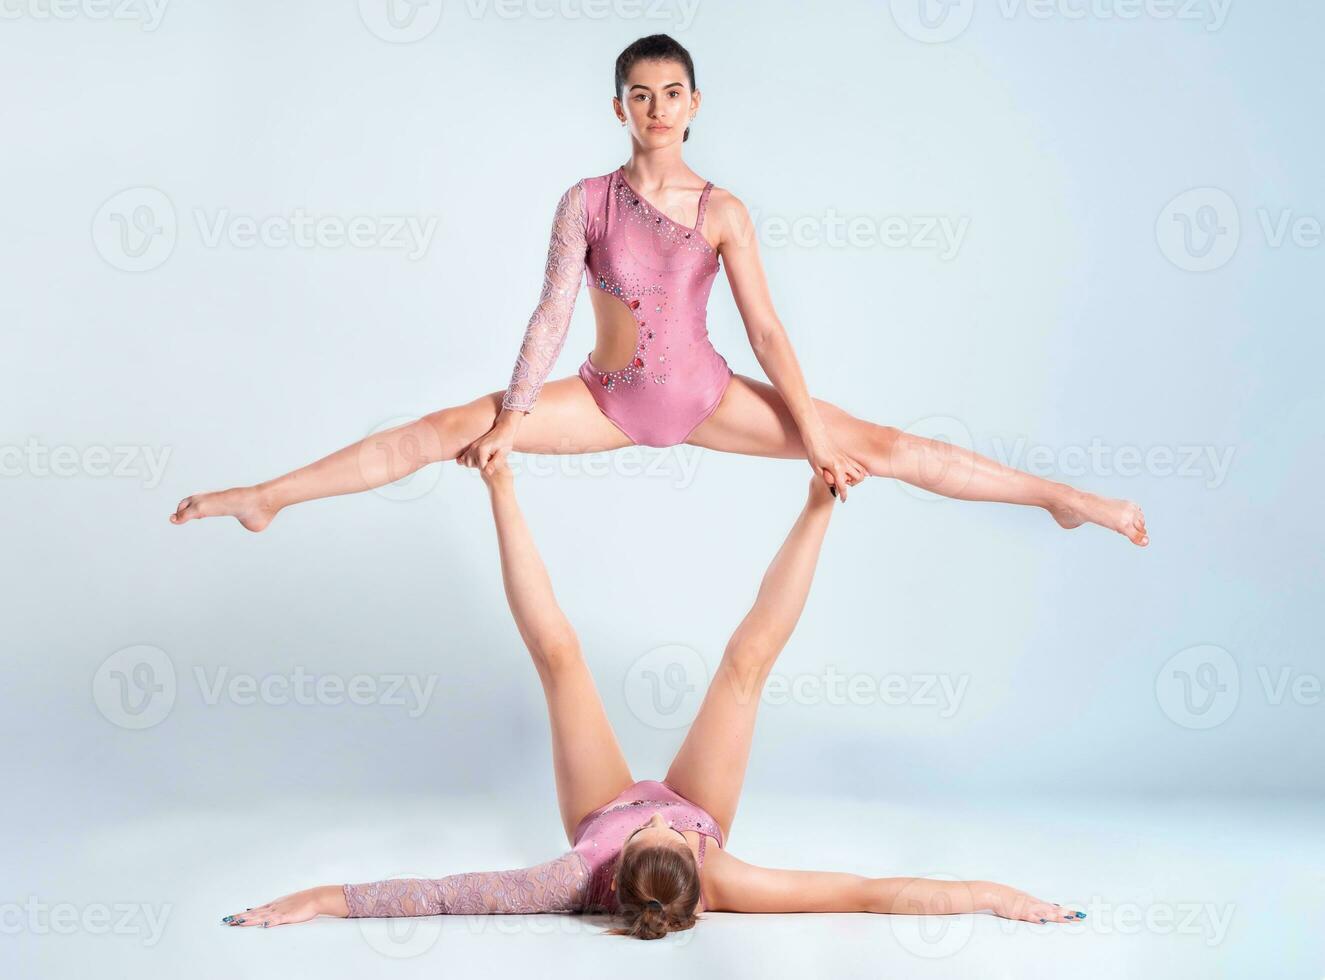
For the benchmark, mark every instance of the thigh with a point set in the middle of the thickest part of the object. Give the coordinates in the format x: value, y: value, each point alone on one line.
x: 752, y: 419
x: 566, y: 420
x: 586, y: 757
x: 709, y: 768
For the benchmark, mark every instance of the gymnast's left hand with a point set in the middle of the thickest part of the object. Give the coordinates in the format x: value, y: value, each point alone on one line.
x: 835, y: 467
x: 297, y: 907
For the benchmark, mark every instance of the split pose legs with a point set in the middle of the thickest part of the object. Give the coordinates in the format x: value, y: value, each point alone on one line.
x: 751, y: 419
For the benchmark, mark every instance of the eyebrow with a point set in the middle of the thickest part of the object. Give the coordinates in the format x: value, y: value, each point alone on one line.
x: 646, y: 88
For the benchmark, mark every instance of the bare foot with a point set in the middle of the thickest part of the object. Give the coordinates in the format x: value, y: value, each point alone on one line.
x: 246, y: 504
x: 1124, y: 516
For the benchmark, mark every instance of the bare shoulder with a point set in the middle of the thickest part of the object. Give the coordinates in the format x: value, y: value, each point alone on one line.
x: 727, y: 216
x: 721, y: 878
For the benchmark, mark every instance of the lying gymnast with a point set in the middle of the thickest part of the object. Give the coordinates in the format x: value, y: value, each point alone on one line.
x: 639, y: 849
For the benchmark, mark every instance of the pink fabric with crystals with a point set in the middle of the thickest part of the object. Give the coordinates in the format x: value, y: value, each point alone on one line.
x: 577, y: 881
x: 663, y: 271
x: 602, y: 833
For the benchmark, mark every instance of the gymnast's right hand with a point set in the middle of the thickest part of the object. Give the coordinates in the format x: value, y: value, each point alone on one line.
x: 497, y: 472
x: 497, y: 441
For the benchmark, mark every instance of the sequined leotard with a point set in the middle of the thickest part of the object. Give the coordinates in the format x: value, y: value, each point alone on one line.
x: 577, y: 881
x: 663, y: 272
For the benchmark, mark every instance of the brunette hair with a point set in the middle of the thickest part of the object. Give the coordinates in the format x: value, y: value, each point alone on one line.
x: 655, y: 47
x: 658, y: 890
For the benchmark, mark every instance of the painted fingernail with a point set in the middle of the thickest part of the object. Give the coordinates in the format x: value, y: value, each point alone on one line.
x: 1081, y: 915
x: 1043, y: 921
x: 227, y: 918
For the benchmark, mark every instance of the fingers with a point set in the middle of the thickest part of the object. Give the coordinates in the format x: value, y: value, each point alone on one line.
x: 1034, y: 910
x: 838, y: 474
x: 278, y: 913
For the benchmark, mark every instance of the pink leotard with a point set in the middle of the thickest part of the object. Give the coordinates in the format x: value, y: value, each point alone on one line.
x: 663, y: 272
x: 577, y: 881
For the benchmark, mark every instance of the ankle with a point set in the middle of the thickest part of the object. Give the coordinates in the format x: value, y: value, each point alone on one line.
x: 268, y: 497
x: 1060, y: 495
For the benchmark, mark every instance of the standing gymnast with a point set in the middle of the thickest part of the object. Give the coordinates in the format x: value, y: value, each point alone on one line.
x: 639, y: 849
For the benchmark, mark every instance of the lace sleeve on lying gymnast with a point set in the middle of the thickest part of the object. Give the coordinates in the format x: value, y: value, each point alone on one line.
x: 558, y: 885
x: 546, y: 332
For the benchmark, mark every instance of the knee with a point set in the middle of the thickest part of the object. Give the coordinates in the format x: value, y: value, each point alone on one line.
x: 442, y: 434
x: 556, y: 655
x: 751, y: 656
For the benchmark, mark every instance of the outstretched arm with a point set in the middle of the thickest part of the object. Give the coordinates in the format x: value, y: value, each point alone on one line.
x: 559, y: 885
x: 736, y: 886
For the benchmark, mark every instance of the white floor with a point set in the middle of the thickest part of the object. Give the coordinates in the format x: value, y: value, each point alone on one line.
x: 1172, y: 890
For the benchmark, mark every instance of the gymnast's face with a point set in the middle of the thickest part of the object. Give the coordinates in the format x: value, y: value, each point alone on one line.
x: 656, y: 833
x: 656, y: 102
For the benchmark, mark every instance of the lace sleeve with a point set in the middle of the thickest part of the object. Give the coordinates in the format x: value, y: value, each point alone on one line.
x: 558, y: 885
x: 546, y: 332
